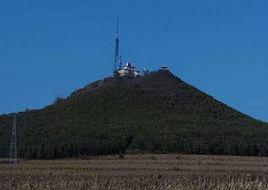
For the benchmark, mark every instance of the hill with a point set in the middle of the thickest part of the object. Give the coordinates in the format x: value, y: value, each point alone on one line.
x: 156, y: 113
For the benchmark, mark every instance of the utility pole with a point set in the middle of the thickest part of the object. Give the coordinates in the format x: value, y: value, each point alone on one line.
x: 13, y: 145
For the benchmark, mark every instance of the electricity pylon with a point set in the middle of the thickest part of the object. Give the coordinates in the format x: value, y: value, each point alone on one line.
x: 13, y: 145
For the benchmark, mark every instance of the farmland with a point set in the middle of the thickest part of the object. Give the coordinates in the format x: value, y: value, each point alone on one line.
x: 142, y: 171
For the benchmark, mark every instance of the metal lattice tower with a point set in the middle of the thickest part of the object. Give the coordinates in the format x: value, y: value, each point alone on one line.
x: 117, y: 56
x: 13, y: 145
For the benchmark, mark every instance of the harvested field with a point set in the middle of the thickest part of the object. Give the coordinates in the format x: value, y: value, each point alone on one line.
x: 148, y: 171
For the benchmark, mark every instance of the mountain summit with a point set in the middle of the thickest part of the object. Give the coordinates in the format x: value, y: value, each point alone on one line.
x: 157, y: 112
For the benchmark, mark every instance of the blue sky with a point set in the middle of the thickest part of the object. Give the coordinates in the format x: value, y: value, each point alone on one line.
x: 50, y: 48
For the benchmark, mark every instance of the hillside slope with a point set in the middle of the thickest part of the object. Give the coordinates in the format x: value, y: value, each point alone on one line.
x: 155, y: 113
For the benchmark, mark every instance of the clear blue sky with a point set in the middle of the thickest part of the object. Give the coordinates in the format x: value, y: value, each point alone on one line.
x: 49, y: 48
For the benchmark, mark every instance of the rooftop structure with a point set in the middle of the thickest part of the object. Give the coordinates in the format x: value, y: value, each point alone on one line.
x: 164, y: 67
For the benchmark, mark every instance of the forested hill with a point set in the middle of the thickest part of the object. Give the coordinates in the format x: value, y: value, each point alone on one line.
x: 156, y: 113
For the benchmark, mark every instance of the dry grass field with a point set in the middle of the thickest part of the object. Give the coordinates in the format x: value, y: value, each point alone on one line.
x: 190, y: 172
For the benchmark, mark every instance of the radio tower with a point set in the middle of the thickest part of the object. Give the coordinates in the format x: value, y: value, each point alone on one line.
x: 13, y: 146
x: 117, y: 56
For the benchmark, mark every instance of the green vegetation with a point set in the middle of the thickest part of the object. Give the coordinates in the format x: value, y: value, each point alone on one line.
x: 158, y: 113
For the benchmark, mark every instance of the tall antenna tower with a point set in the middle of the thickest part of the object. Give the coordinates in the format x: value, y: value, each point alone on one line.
x: 117, y: 56
x: 13, y: 145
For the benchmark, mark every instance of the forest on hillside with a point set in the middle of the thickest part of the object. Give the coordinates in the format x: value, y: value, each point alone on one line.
x: 158, y: 114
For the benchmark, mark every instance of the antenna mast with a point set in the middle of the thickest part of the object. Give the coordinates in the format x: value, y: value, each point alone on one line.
x: 13, y: 146
x: 117, y: 58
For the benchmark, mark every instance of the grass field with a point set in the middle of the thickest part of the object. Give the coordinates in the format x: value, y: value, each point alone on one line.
x: 147, y: 171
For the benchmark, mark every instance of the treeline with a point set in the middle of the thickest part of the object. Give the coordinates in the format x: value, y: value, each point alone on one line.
x: 47, y: 143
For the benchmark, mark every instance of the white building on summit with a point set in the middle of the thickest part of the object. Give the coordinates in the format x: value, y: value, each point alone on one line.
x: 128, y: 70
